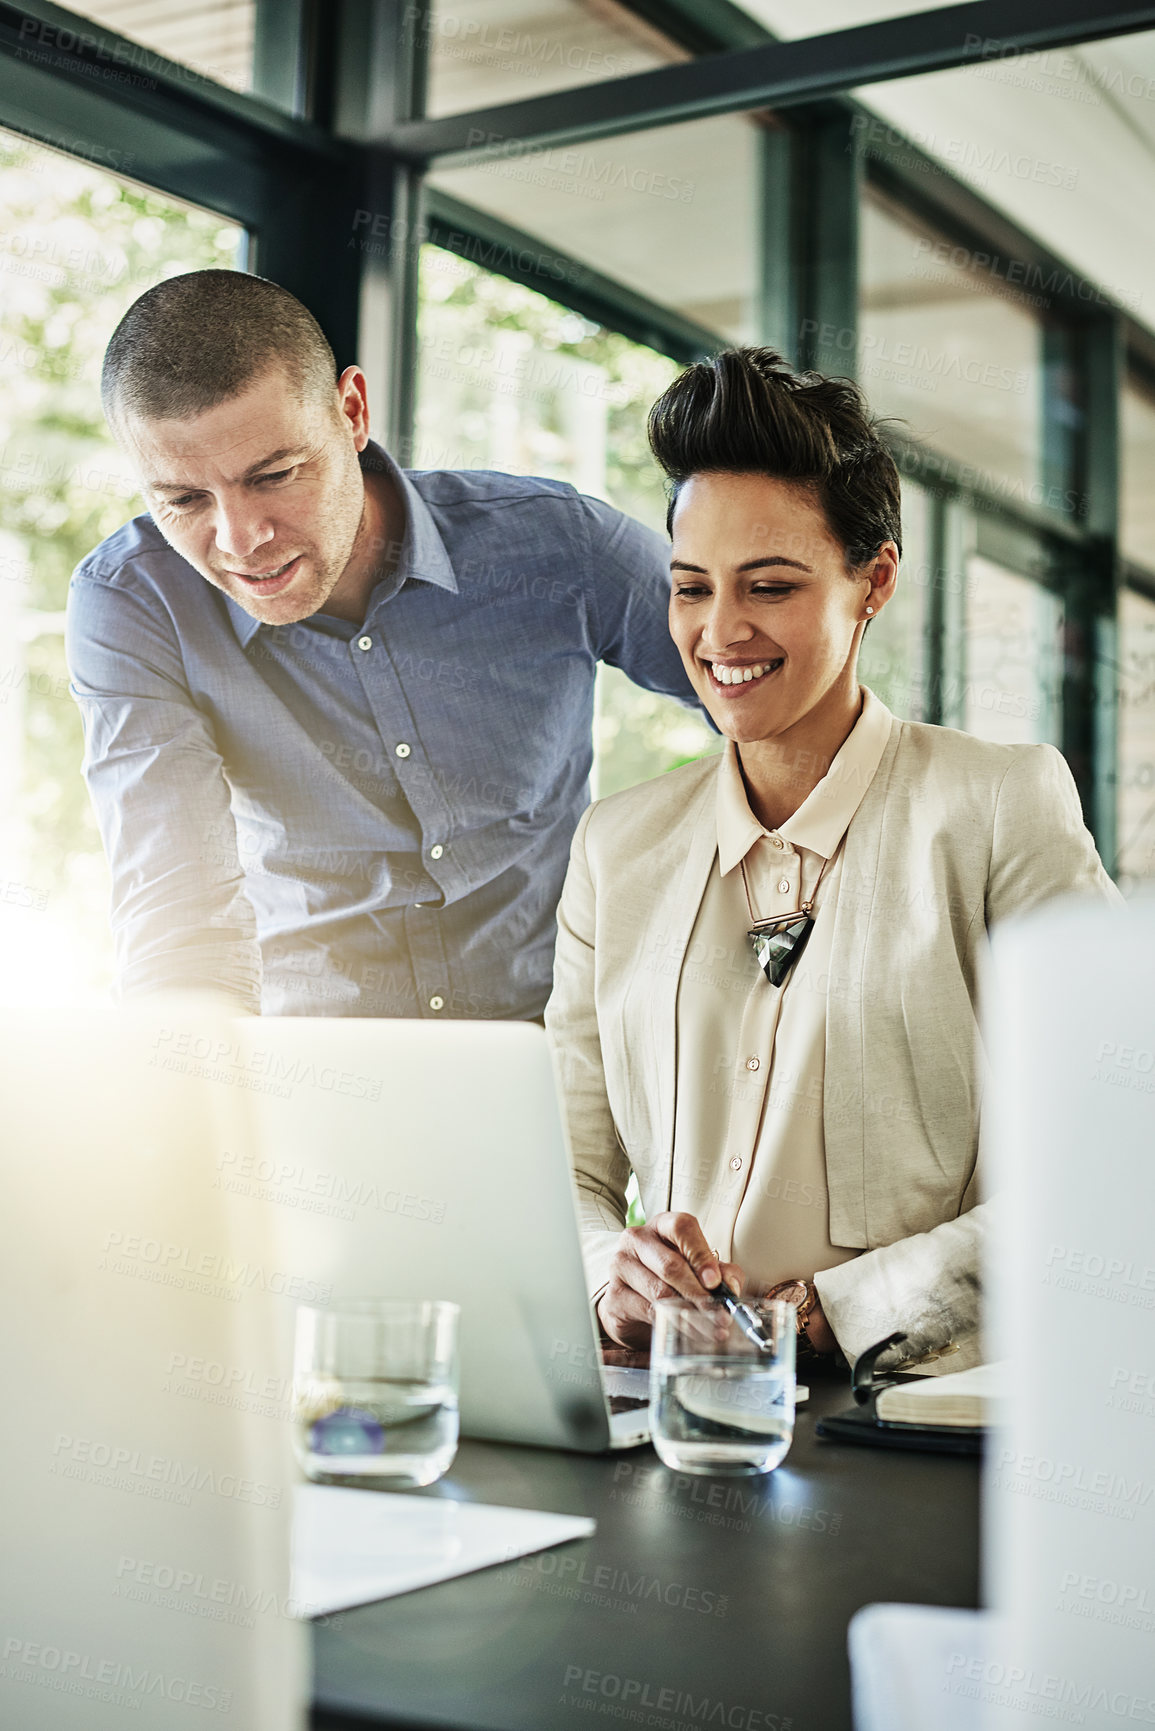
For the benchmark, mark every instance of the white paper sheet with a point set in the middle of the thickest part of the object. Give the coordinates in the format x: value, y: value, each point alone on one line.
x: 351, y: 1547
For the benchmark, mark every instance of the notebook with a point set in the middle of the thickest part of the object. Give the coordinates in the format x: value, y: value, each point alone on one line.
x: 967, y: 1398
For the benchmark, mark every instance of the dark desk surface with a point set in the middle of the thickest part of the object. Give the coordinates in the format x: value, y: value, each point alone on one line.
x: 730, y: 1595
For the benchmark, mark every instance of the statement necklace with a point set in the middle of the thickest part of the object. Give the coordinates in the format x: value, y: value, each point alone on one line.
x: 779, y: 940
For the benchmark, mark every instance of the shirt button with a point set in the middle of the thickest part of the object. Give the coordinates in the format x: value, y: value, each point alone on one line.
x: 364, y: 643
x: 436, y: 851
x: 777, y: 840
x: 753, y: 1063
x: 436, y: 1003
x: 736, y: 1163
x: 403, y: 750
x: 783, y: 886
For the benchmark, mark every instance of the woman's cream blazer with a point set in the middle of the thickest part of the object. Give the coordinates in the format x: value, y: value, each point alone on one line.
x: 953, y: 834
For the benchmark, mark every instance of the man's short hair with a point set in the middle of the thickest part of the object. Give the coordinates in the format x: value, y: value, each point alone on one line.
x: 747, y: 412
x: 195, y: 340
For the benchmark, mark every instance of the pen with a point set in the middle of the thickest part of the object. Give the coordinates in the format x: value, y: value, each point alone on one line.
x: 745, y: 1318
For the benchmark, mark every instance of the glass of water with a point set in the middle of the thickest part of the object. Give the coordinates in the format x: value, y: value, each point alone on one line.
x: 720, y: 1403
x: 375, y: 1392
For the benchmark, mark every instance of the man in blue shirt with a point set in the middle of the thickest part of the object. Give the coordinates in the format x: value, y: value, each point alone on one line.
x: 337, y: 716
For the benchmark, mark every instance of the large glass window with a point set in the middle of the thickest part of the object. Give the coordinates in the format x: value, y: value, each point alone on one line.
x: 671, y: 213
x: 1059, y: 141
x: 1136, y: 805
x: 786, y: 19
x: 1137, y: 476
x: 483, y: 52
x: 1013, y: 691
x: 892, y: 659
x: 79, y: 245
x: 211, y: 38
x: 508, y: 379
x: 952, y: 354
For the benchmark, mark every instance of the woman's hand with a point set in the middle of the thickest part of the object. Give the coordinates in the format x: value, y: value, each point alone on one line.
x: 819, y: 1332
x: 666, y: 1258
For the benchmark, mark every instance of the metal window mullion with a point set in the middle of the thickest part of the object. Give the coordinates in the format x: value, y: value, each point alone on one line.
x: 380, y: 57
x: 828, y: 332
x: 780, y: 285
x: 1099, y: 695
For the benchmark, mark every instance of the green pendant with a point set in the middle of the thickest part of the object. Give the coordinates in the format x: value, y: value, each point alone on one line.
x: 779, y: 943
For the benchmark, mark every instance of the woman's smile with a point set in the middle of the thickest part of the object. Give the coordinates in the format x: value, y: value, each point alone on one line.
x: 735, y: 679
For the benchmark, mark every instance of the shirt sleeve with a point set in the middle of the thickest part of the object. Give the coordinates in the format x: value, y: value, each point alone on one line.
x: 629, y: 588
x: 180, y: 915
x: 601, y: 1168
x: 929, y: 1286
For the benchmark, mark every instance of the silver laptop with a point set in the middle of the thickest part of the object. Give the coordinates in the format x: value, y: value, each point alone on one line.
x: 428, y: 1160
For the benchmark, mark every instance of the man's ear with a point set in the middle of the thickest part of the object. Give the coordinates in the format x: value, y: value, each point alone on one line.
x: 353, y: 404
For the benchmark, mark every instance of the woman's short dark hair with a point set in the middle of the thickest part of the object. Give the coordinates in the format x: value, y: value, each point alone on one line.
x: 747, y: 412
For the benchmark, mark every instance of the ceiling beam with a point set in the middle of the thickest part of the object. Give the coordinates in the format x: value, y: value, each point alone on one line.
x: 774, y: 75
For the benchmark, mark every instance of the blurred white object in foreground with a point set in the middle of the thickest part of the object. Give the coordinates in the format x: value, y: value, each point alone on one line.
x: 1069, y: 1479
x: 146, y: 1488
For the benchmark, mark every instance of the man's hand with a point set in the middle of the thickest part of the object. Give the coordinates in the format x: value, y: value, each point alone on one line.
x: 666, y: 1258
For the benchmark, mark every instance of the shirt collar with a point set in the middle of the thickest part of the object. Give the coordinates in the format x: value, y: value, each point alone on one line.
x: 424, y: 557
x: 824, y: 816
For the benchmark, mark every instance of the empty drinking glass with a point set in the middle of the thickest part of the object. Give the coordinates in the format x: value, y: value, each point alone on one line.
x: 375, y: 1391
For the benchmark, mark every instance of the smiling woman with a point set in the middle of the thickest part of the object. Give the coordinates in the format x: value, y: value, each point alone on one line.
x: 766, y: 987
x: 787, y: 531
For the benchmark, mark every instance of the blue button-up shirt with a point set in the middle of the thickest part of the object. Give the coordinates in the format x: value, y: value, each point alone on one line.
x: 368, y: 820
